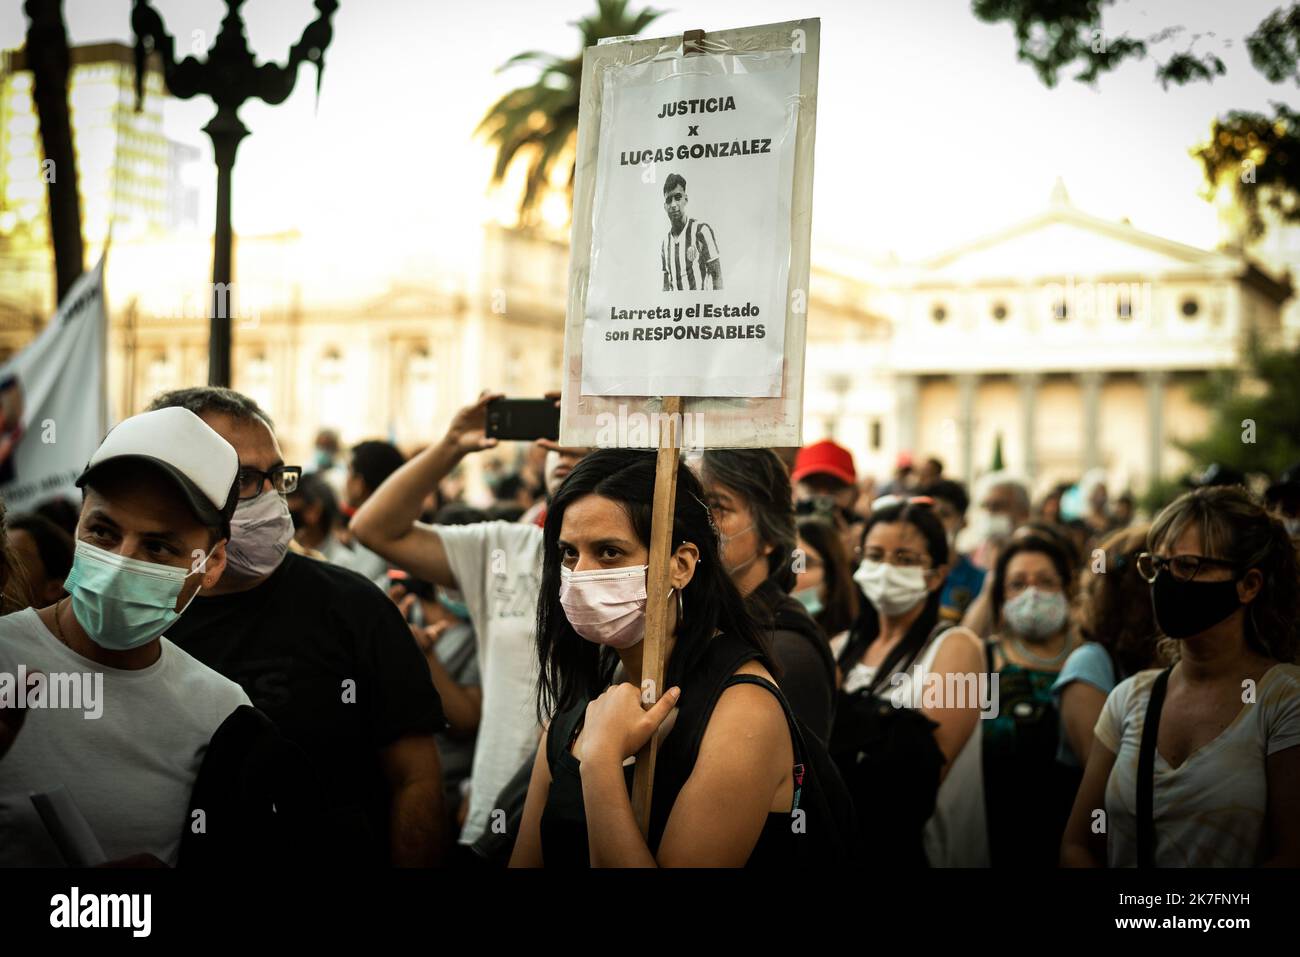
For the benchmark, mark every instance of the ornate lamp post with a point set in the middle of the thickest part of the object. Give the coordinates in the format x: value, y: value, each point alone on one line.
x: 230, y: 76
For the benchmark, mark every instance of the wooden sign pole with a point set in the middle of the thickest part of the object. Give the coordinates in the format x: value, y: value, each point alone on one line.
x: 658, y: 588
x: 658, y: 583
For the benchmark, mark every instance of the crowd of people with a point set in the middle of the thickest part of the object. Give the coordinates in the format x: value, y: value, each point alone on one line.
x: 219, y: 657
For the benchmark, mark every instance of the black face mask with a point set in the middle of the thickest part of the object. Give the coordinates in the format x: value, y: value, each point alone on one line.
x: 1185, y: 608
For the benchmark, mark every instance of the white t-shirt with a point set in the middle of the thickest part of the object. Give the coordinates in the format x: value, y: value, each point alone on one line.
x: 957, y: 833
x: 131, y: 770
x: 1210, y: 810
x: 498, y: 568
x: 358, y: 558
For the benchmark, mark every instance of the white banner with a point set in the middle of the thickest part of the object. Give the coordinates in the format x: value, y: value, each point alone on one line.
x: 690, y: 251
x: 54, y: 400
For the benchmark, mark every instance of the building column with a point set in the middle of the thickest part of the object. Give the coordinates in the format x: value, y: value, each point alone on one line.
x: 1029, y: 383
x: 1154, y: 380
x: 1090, y: 384
x: 967, y: 384
x: 907, y: 400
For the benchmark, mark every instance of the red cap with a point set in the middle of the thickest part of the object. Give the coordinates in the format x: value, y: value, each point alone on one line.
x: 824, y: 458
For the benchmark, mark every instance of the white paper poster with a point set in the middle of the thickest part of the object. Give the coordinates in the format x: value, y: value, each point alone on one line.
x: 690, y: 250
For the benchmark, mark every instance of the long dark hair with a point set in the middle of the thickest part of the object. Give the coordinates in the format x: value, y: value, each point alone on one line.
x: 840, y: 608
x: 574, y: 669
x: 867, y: 628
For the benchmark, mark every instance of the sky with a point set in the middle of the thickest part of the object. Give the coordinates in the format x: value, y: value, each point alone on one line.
x: 929, y: 131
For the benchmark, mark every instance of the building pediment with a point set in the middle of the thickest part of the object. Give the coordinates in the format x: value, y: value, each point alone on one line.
x: 402, y: 301
x: 1064, y: 241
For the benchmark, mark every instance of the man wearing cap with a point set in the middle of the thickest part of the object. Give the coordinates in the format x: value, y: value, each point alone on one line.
x: 825, y: 483
x: 323, y: 652
x: 126, y: 716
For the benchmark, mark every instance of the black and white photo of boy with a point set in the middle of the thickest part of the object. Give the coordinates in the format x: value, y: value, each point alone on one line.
x: 688, y: 255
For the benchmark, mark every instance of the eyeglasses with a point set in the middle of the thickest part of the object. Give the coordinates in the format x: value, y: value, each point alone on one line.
x: 1182, y: 567
x: 284, y: 479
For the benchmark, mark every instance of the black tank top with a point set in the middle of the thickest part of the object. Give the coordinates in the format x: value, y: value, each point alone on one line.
x: 563, y: 826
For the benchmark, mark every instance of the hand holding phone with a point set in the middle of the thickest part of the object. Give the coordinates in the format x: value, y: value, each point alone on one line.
x: 523, y: 420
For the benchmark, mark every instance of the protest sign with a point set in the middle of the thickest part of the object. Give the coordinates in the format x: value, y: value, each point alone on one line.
x: 689, y: 251
x: 689, y: 265
x: 691, y: 223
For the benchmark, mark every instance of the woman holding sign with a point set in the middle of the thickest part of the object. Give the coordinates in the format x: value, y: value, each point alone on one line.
x: 725, y: 781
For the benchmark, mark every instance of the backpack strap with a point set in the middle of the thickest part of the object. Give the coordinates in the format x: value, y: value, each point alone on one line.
x: 854, y: 647
x: 798, y: 745
x: 1146, y: 827
x: 894, y: 662
x: 701, y: 681
x: 560, y: 733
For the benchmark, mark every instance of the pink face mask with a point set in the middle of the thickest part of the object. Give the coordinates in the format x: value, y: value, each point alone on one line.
x: 606, y: 605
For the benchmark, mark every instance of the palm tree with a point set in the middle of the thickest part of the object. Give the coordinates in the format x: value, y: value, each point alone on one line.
x: 540, y: 122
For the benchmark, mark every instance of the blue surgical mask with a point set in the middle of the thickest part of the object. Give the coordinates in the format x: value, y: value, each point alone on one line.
x: 121, y: 602
x: 454, y: 605
x: 811, y: 600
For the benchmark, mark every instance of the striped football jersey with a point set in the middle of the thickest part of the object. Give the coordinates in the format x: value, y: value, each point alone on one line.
x: 682, y: 256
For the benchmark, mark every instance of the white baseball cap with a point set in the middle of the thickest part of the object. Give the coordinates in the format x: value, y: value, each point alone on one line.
x: 203, y: 464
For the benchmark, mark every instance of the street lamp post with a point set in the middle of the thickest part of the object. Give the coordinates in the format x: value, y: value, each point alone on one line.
x: 229, y: 76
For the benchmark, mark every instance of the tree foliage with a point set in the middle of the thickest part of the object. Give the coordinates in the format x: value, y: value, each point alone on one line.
x: 1253, y: 155
x: 539, y: 122
x: 1256, y: 414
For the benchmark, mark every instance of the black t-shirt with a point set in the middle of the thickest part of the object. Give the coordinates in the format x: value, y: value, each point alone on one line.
x: 563, y: 827
x: 803, y: 656
x: 327, y: 656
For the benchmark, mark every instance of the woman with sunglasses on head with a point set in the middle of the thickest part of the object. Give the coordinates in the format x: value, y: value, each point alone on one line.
x: 1198, y: 764
x: 908, y: 749
x: 724, y: 779
x: 1027, y: 791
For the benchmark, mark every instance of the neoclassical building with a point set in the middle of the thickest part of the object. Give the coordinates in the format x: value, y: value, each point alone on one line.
x: 1072, y: 340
